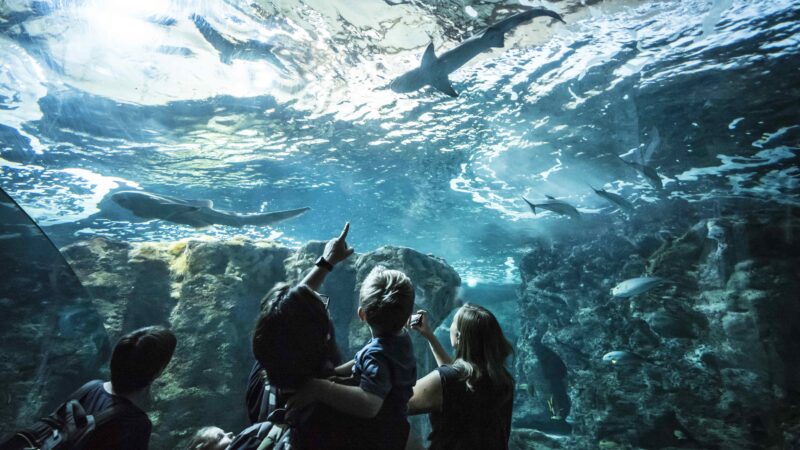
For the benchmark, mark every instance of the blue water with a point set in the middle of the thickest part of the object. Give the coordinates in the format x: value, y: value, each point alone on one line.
x: 97, y: 96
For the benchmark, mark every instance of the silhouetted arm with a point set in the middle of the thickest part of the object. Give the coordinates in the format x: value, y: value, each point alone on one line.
x: 345, y: 369
x: 347, y: 399
x: 336, y: 251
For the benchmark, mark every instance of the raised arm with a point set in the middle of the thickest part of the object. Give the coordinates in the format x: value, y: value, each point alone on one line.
x: 345, y: 369
x: 336, y: 250
x: 427, y: 395
x: 424, y: 329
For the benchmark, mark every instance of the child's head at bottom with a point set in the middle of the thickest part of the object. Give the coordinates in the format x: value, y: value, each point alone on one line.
x: 210, y: 438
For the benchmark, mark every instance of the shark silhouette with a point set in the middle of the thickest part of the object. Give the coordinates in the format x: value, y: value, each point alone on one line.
x: 195, y: 213
x: 434, y: 70
x: 230, y: 49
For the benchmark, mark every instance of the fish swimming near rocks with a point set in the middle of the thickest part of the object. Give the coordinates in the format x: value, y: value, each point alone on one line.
x: 433, y: 70
x: 647, y: 172
x: 624, y: 358
x: 556, y: 206
x: 635, y: 286
x: 616, y: 199
x: 195, y: 213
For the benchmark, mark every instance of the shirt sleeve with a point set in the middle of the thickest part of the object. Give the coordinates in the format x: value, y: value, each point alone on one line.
x: 374, y: 374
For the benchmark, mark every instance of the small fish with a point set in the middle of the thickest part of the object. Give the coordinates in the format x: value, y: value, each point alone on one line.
x: 616, y: 199
x: 556, y: 206
x: 635, y: 286
x: 623, y: 358
x: 647, y: 172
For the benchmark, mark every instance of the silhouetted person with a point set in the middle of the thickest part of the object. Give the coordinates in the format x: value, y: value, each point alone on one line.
x: 136, y: 361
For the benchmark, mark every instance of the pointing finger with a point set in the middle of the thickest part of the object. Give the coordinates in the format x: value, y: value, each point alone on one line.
x: 345, y: 230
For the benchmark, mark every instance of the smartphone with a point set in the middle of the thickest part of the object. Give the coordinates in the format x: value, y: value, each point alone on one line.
x: 415, y: 319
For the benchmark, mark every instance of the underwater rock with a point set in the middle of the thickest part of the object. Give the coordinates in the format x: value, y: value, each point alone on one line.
x: 722, y: 337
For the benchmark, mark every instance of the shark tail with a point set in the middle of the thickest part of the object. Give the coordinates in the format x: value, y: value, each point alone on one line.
x: 270, y: 218
x: 533, y: 207
x: 546, y: 12
x: 543, y: 12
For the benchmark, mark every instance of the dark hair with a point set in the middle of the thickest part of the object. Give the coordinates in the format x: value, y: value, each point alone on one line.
x: 482, y: 349
x: 387, y: 297
x: 292, y: 336
x: 139, y: 357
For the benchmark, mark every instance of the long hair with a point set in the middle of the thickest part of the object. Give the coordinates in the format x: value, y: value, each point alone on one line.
x: 482, y: 349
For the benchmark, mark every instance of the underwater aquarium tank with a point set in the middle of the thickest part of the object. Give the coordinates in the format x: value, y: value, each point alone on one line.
x: 620, y: 188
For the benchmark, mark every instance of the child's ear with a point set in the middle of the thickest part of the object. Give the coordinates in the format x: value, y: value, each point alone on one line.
x: 362, y: 315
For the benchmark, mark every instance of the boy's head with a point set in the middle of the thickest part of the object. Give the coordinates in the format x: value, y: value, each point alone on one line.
x: 386, y: 300
x: 139, y: 358
x: 211, y: 438
x: 292, y: 337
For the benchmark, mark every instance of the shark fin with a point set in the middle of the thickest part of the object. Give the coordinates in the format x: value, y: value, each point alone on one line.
x: 550, y: 197
x: 442, y: 84
x: 428, y: 58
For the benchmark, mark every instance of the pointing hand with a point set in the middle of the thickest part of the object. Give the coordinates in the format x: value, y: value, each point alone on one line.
x: 336, y: 250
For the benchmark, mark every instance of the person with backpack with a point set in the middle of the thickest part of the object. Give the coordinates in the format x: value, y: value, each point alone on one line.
x: 293, y: 341
x: 106, y: 415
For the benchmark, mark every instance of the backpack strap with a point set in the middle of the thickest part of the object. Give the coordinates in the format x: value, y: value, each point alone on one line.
x: 92, y: 422
x: 268, y: 398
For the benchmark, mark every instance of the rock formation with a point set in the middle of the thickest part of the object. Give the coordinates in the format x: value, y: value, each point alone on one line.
x: 720, y: 366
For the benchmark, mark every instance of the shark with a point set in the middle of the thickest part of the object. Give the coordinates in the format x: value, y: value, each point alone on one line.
x: 556, y: 206
x: 616, y: 199
x: 230, y: 49
x: 647, y: 172
x: 434, y: 70
x: 195, y: 213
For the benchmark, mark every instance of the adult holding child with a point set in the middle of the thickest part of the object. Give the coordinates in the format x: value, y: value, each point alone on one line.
x: 469, y: 399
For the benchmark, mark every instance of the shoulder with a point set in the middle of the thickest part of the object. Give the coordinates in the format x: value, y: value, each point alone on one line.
x: 92, y: 386
x: 449, y: 373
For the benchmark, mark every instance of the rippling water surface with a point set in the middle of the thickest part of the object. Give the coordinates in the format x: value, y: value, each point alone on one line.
x: 284, y: 104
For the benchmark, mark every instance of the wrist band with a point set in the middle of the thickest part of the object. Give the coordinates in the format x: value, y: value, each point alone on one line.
x: 322, y: 262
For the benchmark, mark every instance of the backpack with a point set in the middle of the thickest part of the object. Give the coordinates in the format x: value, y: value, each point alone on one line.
x: 272, y: 434
x: 71, y: 427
